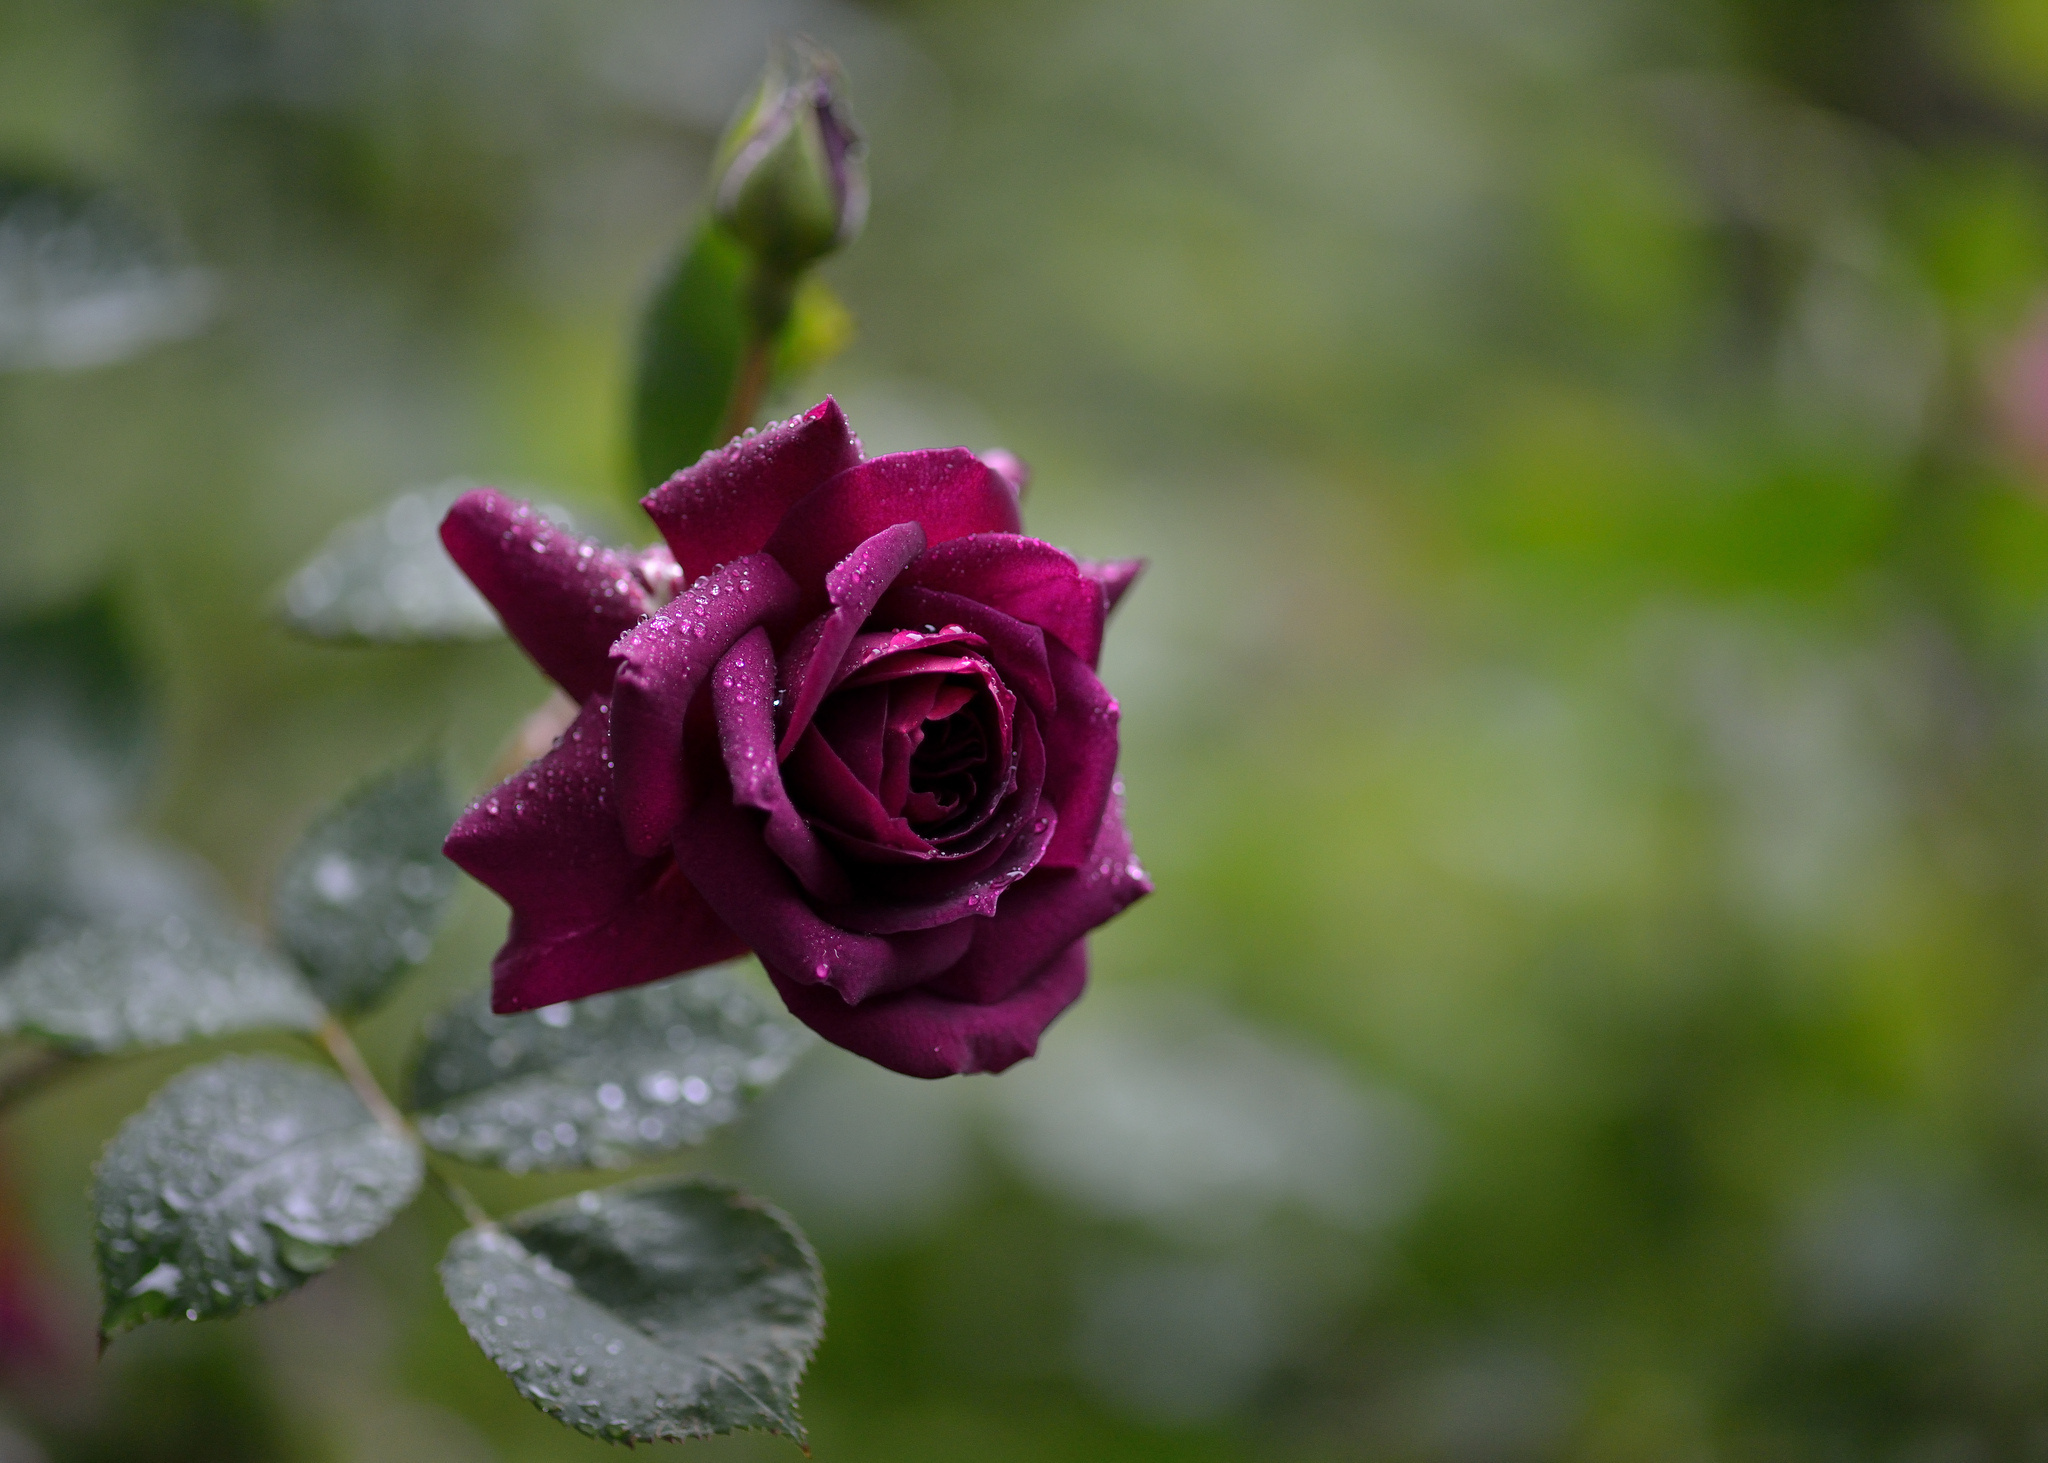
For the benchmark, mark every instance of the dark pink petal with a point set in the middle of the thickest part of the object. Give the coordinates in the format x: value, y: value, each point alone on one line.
x: 875, y: 646
x: 923, y: 1034
x: 853, y: 586
x: 1043, y: 914
x: 841, y: 803
x: 729, y: 503
x: 726, y: 861
x: 1017, y: 650
x: 1026, y: 578
x: 743, y: 699
x: 564, y: 600
x: 853, y: 725
x: 949, y: 493
x: 587, y: 914
x: 661, y: 665
x: 1081, y: 746
x: 918, y: 872
x: 1114, y: 575
x: 1012, y: 469
x: 975, y: 895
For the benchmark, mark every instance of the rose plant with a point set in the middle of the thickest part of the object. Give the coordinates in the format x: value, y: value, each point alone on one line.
x: 846, y: 718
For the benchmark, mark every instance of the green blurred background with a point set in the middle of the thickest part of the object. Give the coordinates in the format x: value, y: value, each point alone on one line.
x: 1587, y: 717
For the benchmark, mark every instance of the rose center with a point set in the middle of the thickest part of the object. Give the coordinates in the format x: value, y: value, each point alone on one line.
x: 945, y: 767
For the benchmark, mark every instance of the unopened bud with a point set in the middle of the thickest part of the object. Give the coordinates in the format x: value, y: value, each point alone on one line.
x: 789, y: 182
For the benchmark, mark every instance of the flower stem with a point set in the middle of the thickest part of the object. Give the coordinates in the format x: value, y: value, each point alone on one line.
x: 771, y: 295
x: 349, y: 1057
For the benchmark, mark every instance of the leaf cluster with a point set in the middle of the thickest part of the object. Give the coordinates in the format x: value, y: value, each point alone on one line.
x: 665, y: 1309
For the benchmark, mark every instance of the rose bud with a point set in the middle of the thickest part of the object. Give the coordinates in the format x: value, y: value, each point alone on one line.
x: 864, y: 740
x: 788, y: 180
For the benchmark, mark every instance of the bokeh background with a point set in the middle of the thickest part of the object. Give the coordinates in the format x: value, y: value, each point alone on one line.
x: 1587, y: 717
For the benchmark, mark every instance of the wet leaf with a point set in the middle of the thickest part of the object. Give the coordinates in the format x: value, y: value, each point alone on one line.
x: 601, y: 1082
x: 360, y: 897
x: 237, y: 1182
x: 668, y: 1310
x: 74, y: 754
x: 386, y: 579
x: 112, y: 987
x: 85, y: 280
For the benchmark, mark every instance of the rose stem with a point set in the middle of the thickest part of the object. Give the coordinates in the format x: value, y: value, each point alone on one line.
x: 349, y: 1057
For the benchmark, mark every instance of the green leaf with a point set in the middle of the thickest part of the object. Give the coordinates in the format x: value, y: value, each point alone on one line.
x: 74, y: 723
x: 119, y: 987
x: 74, y: 754
x: 236, y: 1183
x: 360, y: 897
x: 86, y: 280
x: 601, y: 1082
x: 642, y: 1313
x: 692, y: 341
x: 386, y: 579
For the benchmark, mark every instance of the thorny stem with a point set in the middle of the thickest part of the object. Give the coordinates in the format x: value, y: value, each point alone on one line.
x: 349, y: 1057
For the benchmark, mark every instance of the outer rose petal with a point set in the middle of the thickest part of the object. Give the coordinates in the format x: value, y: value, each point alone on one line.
x: 1116, y: 576
x: 1026, y: 578
x: 564, y: 600
x: 1080, y: 756
x: 921, y: 1034
x: 661, y: 665
x: 949, y: 493
x: 1045, y: 913
x: 1014, y: 469
x: 729, y: 503
x: 587, y: 914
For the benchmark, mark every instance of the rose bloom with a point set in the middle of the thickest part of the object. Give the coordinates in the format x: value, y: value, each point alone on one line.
x: 847, y: 718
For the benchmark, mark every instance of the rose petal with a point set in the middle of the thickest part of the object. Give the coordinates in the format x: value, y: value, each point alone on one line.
x: 1025, y: 578
x: 1015, y: 649
x: 878, y: 645
x: 923, y: 1034
x: 1043, y: 914
x: 726, y: 861
x: 949, y: 493
x: 1080, y: 754
x: 564, y: 600
x: 1013, y: 469
x: 841, y: 803
x: 587, y: 914
x: 729, y: 503
x: 853, y: 586
x: 661, y: 665
x: 743, y: 699
x: 927, y: 870
x: 978, y: 895
x: 1116, y: 576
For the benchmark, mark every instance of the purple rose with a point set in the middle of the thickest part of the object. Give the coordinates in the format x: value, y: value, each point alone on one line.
x: 864, y: 739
